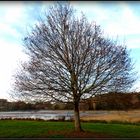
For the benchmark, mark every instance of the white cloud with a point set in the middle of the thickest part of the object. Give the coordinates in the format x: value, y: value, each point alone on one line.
x: 15, y: 11
x: 12, y: 12
x: 133, y: 43
x: 14, y: 19
x: 117, y: 20
x: 10, y: 57
x: 126, y: 23
x: 92, y: 10
x: 8, y: 30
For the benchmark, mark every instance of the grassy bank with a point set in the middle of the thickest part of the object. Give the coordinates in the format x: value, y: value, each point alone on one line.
x: 40, y: 129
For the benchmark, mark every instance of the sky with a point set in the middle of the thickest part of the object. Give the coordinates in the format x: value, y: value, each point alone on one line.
x: 119, y: 20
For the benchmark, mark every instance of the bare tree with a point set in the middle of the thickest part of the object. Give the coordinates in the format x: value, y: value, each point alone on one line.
x: 70, y: 60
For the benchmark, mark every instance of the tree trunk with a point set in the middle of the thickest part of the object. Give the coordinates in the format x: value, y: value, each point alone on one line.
x: 77, y: 118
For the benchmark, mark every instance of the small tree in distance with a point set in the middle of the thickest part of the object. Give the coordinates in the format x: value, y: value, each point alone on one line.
x: 70, y: 60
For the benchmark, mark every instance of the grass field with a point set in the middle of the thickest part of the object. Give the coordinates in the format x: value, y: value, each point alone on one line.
x: 44, y: 129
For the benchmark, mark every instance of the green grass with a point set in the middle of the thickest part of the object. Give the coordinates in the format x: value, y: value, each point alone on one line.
x: 116, y: 130
x: 26, y: 129
x: 19, y: 128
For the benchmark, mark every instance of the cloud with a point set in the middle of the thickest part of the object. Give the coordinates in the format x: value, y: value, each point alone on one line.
x: 115, y: 19
x: 13, y: 13
x: 10, y: 56
x: 93, y: 10
x: 133, y: 43
x: 7, y: 30
x: 125, y: 23
x: 14, y: 21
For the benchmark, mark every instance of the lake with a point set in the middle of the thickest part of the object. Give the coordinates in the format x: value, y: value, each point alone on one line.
x: 69, y: 114
x: 42, y: 114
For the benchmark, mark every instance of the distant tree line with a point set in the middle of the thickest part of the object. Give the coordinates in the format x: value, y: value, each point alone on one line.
x: 115, y: 101
x: 21, y: 105
x: 111, y: 101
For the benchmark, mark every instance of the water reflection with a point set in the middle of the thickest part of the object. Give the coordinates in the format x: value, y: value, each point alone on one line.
x: 44, y: 115
x: 48, y: 114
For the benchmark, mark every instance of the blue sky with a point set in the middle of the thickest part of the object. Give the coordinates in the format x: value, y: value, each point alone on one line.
x: 117, y: 19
